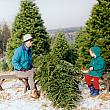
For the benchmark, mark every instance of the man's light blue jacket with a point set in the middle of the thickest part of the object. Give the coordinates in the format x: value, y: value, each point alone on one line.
x: 22, y: 58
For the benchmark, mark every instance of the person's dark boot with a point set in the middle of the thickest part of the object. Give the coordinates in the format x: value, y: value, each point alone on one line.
x: 91, y: 90
x: 96, y: 92
x: 27, y: 87
x: 1, y: 89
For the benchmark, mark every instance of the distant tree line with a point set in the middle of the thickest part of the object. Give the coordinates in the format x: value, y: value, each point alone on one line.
x: 4, y: 35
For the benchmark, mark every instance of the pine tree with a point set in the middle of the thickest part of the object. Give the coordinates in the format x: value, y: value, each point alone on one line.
x: 96, y: 32
x: 82, y: 45
x: 99, y: 27
x: 59, y: 79
x: 62, y: 49
x: 60, y: 46
x: 58, y: 75
x: 28, y: 21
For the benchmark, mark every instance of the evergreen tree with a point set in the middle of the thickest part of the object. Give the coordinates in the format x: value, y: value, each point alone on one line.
x: 96, y: 32
x: 82, y: 45
x: 60, y: 46
x: 62, y: 49
x: 58, y: 75
x: 28, y: 21
x: 99, y: 27
x: 60, y: 81
x: 99, y: 22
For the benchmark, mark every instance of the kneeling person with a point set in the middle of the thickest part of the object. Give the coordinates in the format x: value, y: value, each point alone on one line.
x: 22, y: 63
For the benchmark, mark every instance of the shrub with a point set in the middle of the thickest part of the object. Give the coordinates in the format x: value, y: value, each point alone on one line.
x: 60, y: 81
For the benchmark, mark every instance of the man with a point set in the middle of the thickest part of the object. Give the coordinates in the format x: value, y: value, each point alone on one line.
x: 22, y: 63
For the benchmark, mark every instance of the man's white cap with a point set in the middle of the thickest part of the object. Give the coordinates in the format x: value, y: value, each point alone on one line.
x: 26, y: 37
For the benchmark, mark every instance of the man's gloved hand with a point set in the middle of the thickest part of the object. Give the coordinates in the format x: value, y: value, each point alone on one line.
x: 31, y: 71
x: 22, y: 69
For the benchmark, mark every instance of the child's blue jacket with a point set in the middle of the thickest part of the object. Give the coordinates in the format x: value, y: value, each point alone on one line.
x: 97, y: 63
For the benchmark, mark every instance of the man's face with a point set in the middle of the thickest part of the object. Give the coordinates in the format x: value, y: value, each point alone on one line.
x: 28, y: 43
x: 91, y: 53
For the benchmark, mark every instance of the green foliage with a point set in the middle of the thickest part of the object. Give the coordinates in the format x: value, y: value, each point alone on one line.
x: 11, y: 45
x: 96, y: 32
x: 83, y: 43
x: 60, y: 46
x: 62, y: 49
x: 71, y: 55
x: 28, y: 20
x: 1, y: 51
x: 3, y: 65
x: 58, y: 75
x: 99, y: 26
x: 60, y: 81
x: 99, y: 22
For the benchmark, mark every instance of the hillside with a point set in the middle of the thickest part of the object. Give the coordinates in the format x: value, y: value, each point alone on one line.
x: 69, y: 32
x: 66, y: 30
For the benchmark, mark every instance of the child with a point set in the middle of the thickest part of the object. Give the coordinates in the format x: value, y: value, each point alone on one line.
x: 96, y: 69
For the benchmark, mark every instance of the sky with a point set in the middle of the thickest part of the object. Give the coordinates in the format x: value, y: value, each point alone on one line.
x: 55, y: 13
